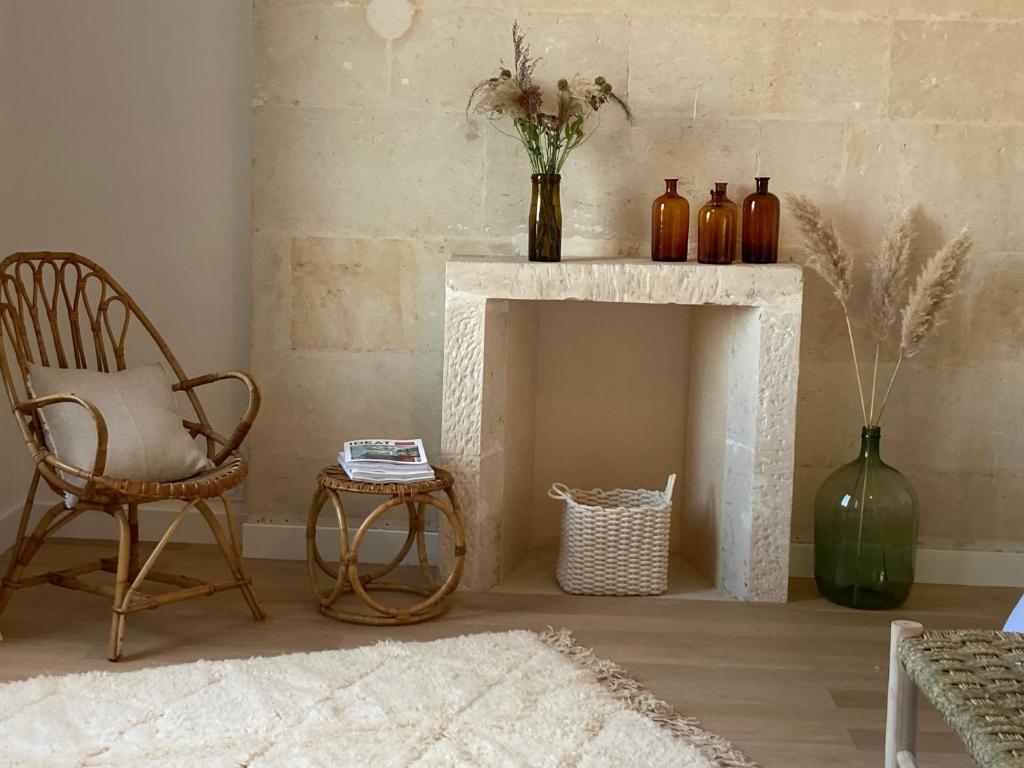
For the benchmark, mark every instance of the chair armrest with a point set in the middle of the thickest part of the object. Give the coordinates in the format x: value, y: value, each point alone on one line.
x: 234, y: 442
x: 99, y: 464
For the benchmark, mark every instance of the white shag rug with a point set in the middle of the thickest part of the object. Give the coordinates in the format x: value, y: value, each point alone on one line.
x: 488, y: 700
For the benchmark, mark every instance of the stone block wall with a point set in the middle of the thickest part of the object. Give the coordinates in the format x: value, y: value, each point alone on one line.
x: 367, y: 177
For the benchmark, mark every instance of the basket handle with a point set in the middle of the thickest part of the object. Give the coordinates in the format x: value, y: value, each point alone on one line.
x: 559, y: 491
x: 670, y: 486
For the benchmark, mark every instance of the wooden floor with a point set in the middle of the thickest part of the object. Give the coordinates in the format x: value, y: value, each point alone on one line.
x: 794, y: 686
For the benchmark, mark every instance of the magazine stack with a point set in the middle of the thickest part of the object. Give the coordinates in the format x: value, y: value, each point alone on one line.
x: 386, y: 461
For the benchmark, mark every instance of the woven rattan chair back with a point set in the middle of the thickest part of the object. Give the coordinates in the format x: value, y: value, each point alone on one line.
x: 63, y: 310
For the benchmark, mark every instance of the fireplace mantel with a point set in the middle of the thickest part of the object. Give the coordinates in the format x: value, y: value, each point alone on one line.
x: 742, y: 345
x: 633, y: 281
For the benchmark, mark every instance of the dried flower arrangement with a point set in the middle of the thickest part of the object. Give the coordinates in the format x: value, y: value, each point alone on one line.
x: 549, y: 138
x: 921, y: 314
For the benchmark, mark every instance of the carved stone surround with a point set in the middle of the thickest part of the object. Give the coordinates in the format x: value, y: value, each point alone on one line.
x: 735, y: 490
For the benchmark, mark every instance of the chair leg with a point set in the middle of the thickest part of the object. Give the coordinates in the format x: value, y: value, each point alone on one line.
x: 25, y: 548
x: 123, y: 590
x: 133, y: 528
x: 118, y: 619
x: 901, y: 710
x: 229, y: 547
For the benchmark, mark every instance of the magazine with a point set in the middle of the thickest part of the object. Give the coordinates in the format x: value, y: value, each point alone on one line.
x: 386, y: 461
x: 386, y: 451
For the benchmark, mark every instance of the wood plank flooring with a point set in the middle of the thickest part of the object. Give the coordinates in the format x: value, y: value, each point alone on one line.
x: 800, y: 685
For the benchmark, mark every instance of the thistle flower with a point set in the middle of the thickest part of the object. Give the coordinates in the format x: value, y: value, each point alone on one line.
x: 935, y: 286
x: 889, y: 276
x: 828, y: 258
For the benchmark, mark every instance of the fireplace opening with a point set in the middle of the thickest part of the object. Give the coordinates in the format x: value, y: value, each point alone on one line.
x: 599, y: 394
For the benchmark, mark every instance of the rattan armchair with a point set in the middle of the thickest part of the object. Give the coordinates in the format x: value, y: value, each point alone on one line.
x: 61, y: 309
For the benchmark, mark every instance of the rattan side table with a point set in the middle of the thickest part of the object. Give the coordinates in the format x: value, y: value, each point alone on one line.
x: 416, y: 497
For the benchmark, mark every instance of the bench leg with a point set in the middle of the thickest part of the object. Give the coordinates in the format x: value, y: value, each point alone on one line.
x: 901, y: 714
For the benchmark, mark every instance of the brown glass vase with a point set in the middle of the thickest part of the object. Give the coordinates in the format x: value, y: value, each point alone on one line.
x: 545, y: 224
x: 670, y: 225
x: 761, y: 225
x: 716, y: 228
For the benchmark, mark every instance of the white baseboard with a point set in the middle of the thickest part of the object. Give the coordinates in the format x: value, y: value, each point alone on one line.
x: 939, y: 566
x: 259, y: 540
x: 271, y: 541
x: 288, y: 542
x: 153, y: 521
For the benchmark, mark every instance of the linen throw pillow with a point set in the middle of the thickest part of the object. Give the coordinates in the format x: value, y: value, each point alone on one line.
x: 145, y: 438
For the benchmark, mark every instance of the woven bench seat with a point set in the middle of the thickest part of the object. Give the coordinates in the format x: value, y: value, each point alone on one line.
x: 975, y: 678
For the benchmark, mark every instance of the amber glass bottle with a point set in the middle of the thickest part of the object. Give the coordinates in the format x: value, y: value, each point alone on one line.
x: 716, y: 228
x: 670, y: 225
x: 761, y: 225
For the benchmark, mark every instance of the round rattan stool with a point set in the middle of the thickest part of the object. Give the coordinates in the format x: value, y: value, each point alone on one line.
x: 416, y: 497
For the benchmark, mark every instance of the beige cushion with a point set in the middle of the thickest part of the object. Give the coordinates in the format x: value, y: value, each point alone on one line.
x: 145, y: 437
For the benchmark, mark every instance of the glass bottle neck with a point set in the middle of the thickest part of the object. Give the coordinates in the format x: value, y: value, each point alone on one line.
x: 870, y: 437
x: 670, y: 186
x: 762, y: 185
x: 720, y: 188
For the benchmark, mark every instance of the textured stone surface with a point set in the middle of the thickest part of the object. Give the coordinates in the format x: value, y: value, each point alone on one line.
x: 316, y: 55
x: 749, y: 475
x: 365, y: 171
x: 730, y: 82
x: 271, y: 290
x: 957, y: 9
x: 866, y: 106
x: 472, y: 44
x: 997, y: 329
x: 774, y: 66
x: 364, y: 295
x: 894, y: 165
x: 314, y: 401
x: 935, y: 71
x: 636, y: 281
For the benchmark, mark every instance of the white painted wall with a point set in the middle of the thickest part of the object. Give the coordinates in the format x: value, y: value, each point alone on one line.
x: 14, y: 460
x: 124, y: 136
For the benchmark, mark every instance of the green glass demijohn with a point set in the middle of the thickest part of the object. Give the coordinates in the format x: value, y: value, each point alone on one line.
x: 865, y: 531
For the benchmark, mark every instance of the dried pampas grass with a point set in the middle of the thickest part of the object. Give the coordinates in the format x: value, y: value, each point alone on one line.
x: 889, y: 277
x: 931, y: 293
x: 830, y: 261
x: 827, y: 257
x: 935, y: 286
x: 889, y: 284
x: 922, y: 307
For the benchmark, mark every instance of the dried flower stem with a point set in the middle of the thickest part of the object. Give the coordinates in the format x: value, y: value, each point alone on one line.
x: 874, y: 384
x: 860, y: 528
x: 888, y: 389
x: 856, y: 365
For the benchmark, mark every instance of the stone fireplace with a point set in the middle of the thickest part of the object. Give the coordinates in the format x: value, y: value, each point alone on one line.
x: 615, y: 373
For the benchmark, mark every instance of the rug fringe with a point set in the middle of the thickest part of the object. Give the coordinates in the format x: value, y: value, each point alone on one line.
x: 631, y: 692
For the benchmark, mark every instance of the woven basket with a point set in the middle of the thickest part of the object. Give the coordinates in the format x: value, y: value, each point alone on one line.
x: 614, y: 542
